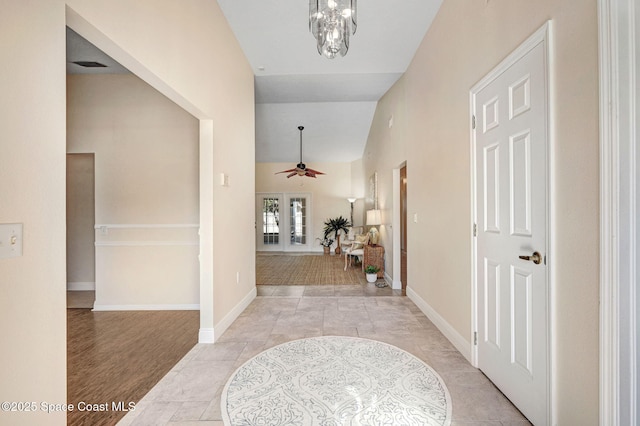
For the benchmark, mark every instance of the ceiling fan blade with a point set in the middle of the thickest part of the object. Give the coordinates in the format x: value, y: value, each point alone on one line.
x: 315, y: 172
x: 301, y: 168
x: 286, y: 171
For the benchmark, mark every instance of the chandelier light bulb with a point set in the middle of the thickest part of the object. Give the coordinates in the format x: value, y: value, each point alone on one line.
x: 332, y: 22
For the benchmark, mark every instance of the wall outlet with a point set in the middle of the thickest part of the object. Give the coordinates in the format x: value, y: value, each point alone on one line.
x: 10, y: 240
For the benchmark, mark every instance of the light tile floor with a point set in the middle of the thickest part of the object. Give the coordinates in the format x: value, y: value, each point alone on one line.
x: 190, y: 393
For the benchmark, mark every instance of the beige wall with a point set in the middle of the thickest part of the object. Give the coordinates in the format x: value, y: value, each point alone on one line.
x: 358, y: 191
x: 160, y: 41
x: 431, y: 106
x: 146, y: 152
x: 146, y: 149
x: 385, y: 151
x: 32, y: 184
x: 81, y: 256
x: 329, y: 192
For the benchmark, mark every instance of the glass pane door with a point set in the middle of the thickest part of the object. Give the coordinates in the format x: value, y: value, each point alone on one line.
x: 283, y: 222
x: 298, y: 220
x: 268, y: 222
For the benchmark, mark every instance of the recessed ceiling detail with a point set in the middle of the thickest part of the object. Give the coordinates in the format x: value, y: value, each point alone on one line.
x: 90, y: 64
x: 85, y: 58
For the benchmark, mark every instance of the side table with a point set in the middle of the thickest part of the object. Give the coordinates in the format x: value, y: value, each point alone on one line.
x: 374, y: 255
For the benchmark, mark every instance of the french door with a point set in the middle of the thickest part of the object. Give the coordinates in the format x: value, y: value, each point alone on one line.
x: 283, y: 222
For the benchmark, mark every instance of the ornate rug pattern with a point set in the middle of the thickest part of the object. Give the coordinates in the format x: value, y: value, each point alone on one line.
x: 311, y: 269
x: 335, y: 380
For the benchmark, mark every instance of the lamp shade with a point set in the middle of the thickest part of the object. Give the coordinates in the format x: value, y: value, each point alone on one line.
x: 374, y: 217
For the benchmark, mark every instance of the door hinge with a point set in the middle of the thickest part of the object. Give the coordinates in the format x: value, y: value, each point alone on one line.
x: 475, y: 338
x: 475, y: 230
x: 473, y: 121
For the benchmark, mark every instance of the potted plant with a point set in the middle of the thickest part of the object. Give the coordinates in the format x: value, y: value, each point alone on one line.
x: 334, y: 226
x: 372, y: 273
x: 325, y: 243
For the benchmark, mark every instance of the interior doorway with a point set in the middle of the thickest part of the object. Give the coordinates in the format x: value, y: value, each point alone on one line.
x: 403, y: 226
x: 81, y: 266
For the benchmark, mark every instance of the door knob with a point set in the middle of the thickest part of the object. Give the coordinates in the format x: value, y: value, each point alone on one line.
x: 535, y: 258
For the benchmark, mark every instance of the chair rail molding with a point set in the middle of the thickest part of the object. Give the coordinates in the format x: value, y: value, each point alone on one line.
x: 618, y: 23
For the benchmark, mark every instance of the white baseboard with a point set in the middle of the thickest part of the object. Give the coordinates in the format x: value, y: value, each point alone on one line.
x: 194, y: 307
x: 206, y: 335
x: 222, y: 326
x: 82, y: 286
x: 396, y: 285
x: 461, y: 344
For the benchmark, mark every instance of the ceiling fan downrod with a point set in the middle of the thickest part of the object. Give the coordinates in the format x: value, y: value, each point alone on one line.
x: 301, y: 168
x: 301, y: 164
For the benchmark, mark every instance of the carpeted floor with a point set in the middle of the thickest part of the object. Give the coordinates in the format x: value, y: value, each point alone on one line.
x: 309, y: 269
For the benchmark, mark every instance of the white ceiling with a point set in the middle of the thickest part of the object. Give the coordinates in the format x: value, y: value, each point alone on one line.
x: 79, y: 49
x: 333, y: 99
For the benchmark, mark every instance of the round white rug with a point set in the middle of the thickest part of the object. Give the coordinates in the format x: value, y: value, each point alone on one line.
x: 335, y: 380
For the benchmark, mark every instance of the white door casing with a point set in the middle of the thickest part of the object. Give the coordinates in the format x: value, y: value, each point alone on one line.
x: 619, y: 38
x: 510, y: 182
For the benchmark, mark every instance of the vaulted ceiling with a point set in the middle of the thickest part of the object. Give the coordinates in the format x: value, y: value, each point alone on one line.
x: 333, y: 99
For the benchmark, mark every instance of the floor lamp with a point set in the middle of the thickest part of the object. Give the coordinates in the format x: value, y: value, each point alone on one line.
x: 351, y: 201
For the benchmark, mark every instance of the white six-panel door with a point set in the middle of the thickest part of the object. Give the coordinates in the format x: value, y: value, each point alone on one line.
x: 510, y: 150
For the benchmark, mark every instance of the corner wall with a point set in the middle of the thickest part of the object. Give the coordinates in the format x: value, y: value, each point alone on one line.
x: 146, y: 174
x: 161, y: 40
x: 466, y: 40
x: 160, y: 43
x: 32, y: 184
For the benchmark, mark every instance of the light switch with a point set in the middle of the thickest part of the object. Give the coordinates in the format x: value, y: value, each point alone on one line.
x: 10, y: 240
x: 415, y: 218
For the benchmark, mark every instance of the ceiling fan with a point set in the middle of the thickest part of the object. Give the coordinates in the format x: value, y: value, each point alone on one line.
x: 301, y: 168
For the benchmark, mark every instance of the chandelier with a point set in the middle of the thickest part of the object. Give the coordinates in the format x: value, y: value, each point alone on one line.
x: 331, y: 22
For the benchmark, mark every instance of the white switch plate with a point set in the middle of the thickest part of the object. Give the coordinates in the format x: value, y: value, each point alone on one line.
x: 10, y: 240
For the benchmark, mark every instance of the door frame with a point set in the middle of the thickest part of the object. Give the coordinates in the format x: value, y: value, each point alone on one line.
x: 618, y: 30
x: 396, y: 282
x: 542, y: 35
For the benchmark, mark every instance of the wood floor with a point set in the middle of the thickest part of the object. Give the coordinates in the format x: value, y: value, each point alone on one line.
x: 117, y: 357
